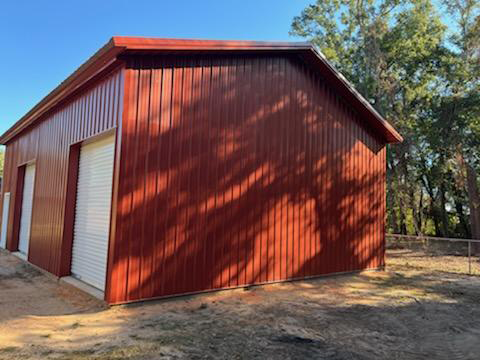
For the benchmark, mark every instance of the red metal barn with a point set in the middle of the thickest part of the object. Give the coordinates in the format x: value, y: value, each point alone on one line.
x: 164, y: 167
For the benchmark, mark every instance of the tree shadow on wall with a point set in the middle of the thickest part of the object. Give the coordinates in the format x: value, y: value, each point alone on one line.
x: 239, y: 171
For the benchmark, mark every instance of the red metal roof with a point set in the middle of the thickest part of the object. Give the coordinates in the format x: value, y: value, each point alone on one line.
x: 108, y: 54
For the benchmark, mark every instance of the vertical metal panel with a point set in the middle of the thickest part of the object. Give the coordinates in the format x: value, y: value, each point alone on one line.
x: 239, y: 170
x: 48, y: 143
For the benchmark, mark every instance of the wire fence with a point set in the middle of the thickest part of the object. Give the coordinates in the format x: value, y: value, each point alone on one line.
x: 434, y: 253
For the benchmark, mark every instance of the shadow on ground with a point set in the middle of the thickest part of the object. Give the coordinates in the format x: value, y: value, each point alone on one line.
x: 25, y: 291
x: 398, y: 314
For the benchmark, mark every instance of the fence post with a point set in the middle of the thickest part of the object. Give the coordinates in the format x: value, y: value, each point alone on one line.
x: 469, y: 258
x: 424, y: 239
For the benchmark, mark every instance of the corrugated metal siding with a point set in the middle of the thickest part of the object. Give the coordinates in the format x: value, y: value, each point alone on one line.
x: 240, y: 170
x: 93, y: 111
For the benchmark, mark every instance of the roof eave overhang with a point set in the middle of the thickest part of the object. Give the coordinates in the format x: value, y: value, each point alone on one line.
x: 108, y: 54
x: 363, y: 107
x: 102, y: 59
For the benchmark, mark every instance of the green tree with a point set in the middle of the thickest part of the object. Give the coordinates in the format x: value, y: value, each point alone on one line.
x: 390, y: 50
x: 458, y: 106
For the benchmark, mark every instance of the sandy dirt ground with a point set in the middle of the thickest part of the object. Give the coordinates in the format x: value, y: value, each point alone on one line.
x: 406, y: 312
x: 421, y: 260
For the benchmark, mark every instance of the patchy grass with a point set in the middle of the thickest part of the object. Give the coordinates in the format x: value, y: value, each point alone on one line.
x: 75, y: 325
x: 406, y: 312
x: 425, y: 260
x: 8, y: 349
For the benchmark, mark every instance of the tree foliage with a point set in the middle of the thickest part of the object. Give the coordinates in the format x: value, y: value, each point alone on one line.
x: 417, y: 62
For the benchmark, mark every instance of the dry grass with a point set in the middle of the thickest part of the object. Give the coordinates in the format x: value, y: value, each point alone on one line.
x: 406, y: 312
x: 432, y: 261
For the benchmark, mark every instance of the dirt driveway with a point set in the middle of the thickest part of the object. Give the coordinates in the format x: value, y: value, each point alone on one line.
x: 403, y: 313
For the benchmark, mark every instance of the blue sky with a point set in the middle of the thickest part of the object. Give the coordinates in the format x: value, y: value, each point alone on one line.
x: 45, y: 41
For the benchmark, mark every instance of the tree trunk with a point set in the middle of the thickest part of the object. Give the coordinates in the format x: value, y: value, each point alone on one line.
x: 462, y: 219
x: 409, y: 190
x: 474, y: 203
x: 403, y: 225
x: 391, y: 199
x: 417, y: 222
x: 443, y: 210
x: 432, y: 208
x: 420, y: 212
x: 434, y: 215
x: 473, y: 198
x: 392, y: 218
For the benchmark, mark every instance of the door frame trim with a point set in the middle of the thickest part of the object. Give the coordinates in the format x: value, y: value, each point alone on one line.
x: 65, y: 268
x: 17, y: 209
x: 69, y: 211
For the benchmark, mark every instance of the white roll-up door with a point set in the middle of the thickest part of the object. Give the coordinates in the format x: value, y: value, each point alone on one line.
x: 27, y: 206
x: 92, y: 212
x: 6, y: 209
